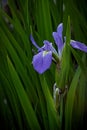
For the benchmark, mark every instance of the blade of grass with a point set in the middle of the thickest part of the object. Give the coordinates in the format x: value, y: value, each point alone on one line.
x: 43, y: 19
x: 70, y: 99
x: 53, y: 118
x: 24, y: 100
x: 20, y: 68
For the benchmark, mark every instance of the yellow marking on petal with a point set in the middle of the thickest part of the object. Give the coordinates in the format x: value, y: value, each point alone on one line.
x: 45, y: 53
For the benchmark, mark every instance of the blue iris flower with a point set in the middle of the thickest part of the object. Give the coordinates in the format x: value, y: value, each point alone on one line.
x: 43, y: 59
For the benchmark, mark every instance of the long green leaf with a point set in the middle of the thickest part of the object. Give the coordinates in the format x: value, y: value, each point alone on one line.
x: 28, y: 110
x: 70, y: 99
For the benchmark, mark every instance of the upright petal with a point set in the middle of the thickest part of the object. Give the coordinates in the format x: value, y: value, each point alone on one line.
x: 78, y: 45
x: 47, y: 45
x: 58, y: 38
x: 42, y: 61
x: 59, y: 42
x: 60, y: 29
x: 33, y: 42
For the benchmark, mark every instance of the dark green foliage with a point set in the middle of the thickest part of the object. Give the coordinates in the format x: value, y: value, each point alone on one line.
x: 26, y: 98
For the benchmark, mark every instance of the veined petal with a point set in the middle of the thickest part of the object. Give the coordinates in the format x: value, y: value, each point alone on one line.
x: 42, y: 61
x: 59, y: 42
x: 78, y: 45
x: 33, y: 42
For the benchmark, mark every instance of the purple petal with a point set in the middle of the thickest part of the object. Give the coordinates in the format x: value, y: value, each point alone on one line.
x: 42, y: 61
x: 78, y: 45
x: 58, y: 38
x: 60, y: 29
x: 59, y: 42
x: 47, y: 45
x: 33, y: 42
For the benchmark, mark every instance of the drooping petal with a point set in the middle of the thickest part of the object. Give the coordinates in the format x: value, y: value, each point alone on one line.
x: 78, y: 45
x: 59, y: 42
x: 42, y: 61
x: 33, y: 42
